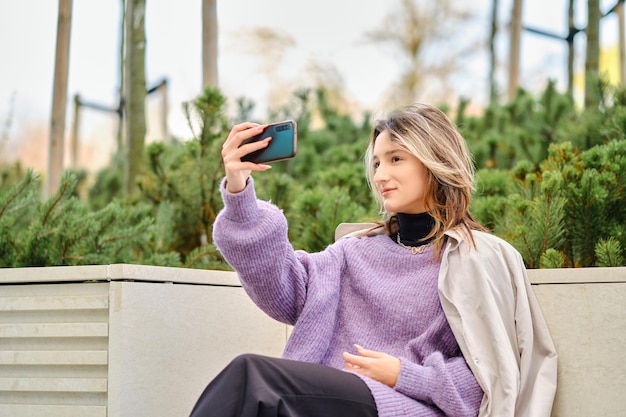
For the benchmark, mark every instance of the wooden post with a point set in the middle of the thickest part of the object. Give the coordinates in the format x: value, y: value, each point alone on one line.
x: 570, y: 48
x: 622, y: 43
x: 592, y: 57
x: 164, y: 110
x: 74, y: 138
x: 59, y: 98
x: 209, y: 43
x: 514, y: 51
x: 493, y: 93
x: 135, y: 92
x: 122, y: 88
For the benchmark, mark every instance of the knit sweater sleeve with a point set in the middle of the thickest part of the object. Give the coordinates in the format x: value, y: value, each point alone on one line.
x: 446, y: 383
x: 251, y: 235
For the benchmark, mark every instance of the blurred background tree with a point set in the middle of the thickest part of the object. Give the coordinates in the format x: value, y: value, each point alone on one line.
x: 550, y: 171
x: 134, y: 93
x: 542, y: 184
x: 418, y: 32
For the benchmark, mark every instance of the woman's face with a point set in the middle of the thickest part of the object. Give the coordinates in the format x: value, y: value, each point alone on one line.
x: 399, y: 176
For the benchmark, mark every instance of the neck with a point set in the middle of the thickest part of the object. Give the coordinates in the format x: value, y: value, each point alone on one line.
x: 414, y: 228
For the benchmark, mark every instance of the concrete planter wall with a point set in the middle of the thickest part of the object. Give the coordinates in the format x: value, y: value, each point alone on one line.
x: 130, y: 340
x: 586, y: 312
x: 121, y: 340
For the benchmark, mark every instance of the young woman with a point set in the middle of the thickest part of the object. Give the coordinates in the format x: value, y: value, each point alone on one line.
x: 424, y: 315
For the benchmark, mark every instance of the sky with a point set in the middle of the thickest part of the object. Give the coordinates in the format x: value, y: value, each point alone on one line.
x: 330, y: 33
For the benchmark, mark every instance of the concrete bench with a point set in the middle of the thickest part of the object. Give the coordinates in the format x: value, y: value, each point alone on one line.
x: 132, y: 340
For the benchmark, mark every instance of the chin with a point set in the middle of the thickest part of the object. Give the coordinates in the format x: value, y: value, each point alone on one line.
x: 392, y: 210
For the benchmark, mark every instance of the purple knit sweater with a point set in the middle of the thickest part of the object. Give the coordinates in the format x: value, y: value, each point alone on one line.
x: 368, y: 291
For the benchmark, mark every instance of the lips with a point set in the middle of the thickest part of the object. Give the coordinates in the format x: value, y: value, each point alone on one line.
x: 386, y: 191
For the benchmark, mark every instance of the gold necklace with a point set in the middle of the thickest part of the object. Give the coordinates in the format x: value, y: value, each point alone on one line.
x: 414, y: 249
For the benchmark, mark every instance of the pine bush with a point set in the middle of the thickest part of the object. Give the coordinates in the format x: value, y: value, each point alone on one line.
x: 551, y: 180
x: 609, y: 252
x: 63, y: 230
x: 559, y: 212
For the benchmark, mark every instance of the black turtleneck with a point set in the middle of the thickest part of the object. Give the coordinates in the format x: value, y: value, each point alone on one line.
x: 414, y: 227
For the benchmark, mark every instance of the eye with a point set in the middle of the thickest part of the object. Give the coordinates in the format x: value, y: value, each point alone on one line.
x: 396, y: 159
x: 375, y: 165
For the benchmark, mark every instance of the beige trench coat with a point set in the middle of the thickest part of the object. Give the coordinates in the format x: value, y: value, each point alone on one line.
x: 497, y: 321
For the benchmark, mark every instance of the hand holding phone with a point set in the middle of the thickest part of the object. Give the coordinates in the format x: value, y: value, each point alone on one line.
x: 282, y: 145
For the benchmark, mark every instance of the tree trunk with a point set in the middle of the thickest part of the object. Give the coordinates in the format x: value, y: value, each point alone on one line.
x: 570, y: 48
x: 75, y: 132
x: 622, y: 43
x: 59, y: 98
x: 493, y: 91
x: 135, y: 81
x: 209, y: 43
x: 514, y: 51
x: 165, y: 108
x: 122, y: 87
x: 592, y: 61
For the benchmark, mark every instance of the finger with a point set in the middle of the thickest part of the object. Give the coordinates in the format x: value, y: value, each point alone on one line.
x: 368, y: 353
x: 237, y: 150
x: 243, y: 150
x: 241, y: 132
x: 255, y: 167
x: 355, y: 360
x: 243, y: 126
x: 236, y: 165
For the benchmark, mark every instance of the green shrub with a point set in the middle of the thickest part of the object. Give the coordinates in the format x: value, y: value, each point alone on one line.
x: 550, y: 180
x: 64, y: 231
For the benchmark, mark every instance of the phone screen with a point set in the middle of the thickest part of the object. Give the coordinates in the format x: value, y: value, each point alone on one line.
x: 282, y: 146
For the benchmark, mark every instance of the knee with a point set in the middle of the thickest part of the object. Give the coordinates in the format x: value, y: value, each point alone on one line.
x: 245, y: 361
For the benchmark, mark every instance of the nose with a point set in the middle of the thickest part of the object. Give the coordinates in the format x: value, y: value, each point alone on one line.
x: 380, y: 176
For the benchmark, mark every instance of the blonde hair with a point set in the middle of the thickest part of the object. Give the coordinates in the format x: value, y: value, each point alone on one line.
x: 427, y: 133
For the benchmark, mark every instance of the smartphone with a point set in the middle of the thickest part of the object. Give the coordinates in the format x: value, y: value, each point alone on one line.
x: 282, y: 146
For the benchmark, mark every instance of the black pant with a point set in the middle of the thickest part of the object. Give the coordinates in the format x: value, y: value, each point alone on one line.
x: 259, y: 386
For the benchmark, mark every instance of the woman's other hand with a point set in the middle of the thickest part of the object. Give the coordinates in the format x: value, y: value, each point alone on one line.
x: 376, y: 365
x: 237, y: 172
